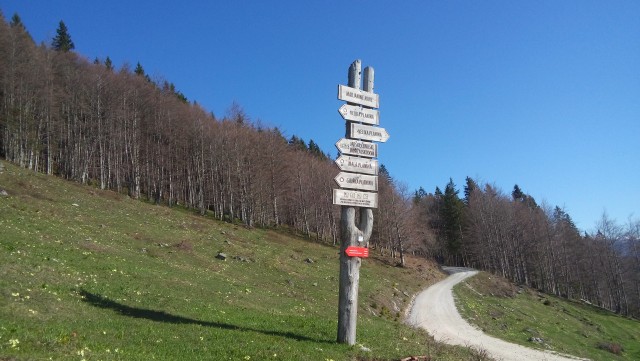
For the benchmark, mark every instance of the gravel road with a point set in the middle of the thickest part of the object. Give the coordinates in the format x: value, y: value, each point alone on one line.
x: 434, y: 310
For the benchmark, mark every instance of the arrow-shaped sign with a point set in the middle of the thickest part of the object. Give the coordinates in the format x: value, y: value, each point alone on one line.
x: 357, y: 181
x: 357, y: 96
x: 357, y: 147
x: 352, y: 251
x: 359, y: 114
x: 359, y: 165
x: 367, y: 132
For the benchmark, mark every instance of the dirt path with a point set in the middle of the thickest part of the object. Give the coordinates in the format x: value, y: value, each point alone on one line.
x: 434, y: 310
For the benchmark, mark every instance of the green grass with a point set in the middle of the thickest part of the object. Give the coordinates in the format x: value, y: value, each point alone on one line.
x: 87, y: 274
x: 500, y: 309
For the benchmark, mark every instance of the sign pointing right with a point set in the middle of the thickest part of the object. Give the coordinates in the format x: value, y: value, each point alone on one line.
x: 367, y: 132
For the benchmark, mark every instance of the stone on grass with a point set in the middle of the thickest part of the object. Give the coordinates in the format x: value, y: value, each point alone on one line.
x: 536, y: 340
x: 241, y: 259
x: 221, y: 256
x: 3, y: 193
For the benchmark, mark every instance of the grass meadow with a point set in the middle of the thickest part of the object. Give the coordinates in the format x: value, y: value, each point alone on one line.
x: 520, y: 315
x: 87, y: 274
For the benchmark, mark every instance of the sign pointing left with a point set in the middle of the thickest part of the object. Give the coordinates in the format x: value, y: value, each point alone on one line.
x: 357, y: 181
x: 353, y: 251
x: 359, y: 114
x: 358, y: 165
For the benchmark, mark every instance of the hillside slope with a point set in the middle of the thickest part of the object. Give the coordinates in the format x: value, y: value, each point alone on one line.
x: 533, y: 319
x: 94, y: 275
x: 435, y: 310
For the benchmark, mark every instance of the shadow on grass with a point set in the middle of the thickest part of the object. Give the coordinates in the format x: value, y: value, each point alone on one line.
x: 161, y: 316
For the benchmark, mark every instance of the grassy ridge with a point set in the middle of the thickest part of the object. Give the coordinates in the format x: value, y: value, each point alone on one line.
x: 516, y: 315
x: 87, y: 274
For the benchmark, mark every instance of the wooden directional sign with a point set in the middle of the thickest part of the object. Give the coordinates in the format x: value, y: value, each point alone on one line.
x: 357, y: 96
x: 357, y: 181
x: 367, y: 132
x: 356, y: 147
x: 346, y: 197
x: 358, y: 165
x: 359, y: 114
x: 353, y: 251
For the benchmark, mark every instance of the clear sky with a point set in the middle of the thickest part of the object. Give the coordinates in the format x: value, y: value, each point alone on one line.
x: 543, y: 94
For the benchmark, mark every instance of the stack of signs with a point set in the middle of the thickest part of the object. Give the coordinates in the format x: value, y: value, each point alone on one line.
x: 357, y: 151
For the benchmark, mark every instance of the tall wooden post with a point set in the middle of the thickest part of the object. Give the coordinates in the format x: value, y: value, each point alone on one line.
x: 352, y: 235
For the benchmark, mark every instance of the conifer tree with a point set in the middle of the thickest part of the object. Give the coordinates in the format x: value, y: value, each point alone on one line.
x: 452, y: 208
x: 17, y: 25
x: 384, y: 173
x: 297, y: 143
x: 139, y: 70
x: 517, y: 193
x: 314, y: 149
x: 62, y: 41
x: 469, y: 188
x: 419, y: 195
x: 16, y: 21
x: 108, y: 63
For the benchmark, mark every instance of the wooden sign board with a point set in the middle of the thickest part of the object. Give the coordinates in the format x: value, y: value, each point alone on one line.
x: 357, y: 96
x: 356, y: 147
x: 367, y: 132
x: 346, y: 197
x: 358, y: 165
x: 357, y: 181
x: 357, y: 113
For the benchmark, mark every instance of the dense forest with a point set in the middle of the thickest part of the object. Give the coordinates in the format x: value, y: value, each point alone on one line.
x: 118, y: 129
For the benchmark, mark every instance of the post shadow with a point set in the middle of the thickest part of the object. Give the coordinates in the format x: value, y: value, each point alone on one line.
x: 161, y: 316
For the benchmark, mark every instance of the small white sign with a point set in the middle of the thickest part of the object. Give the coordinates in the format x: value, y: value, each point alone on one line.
x: 345, y: 197
x: 357, y: 147
x: 357, y: 181
x: 357, y: 113
x: 357, y: 96
x: 367, y: 132
x: 358, y: 165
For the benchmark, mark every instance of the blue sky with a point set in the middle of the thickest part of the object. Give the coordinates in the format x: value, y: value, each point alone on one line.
x: 542, y: 94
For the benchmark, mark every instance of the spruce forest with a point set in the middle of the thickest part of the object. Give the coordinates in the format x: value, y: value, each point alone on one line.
x: 118, y: 129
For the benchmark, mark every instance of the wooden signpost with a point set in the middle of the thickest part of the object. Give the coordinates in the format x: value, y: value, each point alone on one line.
x: 359, y: 171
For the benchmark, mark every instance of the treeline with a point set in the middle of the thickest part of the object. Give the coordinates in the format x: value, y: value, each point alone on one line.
x: 118, y: 129
x: 534, y: 245
x: 121, y: 130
